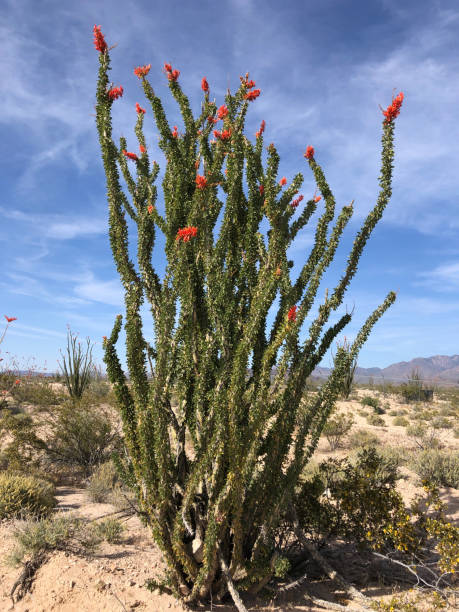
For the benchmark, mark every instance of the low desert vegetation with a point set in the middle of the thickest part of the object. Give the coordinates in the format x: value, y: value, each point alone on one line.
x: 348, y: 493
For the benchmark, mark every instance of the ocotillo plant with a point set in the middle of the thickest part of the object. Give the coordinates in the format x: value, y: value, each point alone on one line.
x: 349, y: 376
x: 214, y: 502
x: 77, y: 373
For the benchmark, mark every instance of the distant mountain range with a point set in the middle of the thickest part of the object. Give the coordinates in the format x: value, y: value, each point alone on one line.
x: 436, y: 370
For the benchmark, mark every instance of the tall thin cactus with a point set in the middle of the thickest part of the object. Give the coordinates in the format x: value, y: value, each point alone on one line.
x: 214, y: 502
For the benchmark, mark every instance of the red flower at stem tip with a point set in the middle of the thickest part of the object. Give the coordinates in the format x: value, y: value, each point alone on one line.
x: 222, y: 111
x: 142, y: 71
x: 99, y: 41
x: 295, y: 202
x: 393, y: 109
x: 142, y: 149
x: 10, y: 319
x: 175, y: 133
x: 309, y: 152
x: 139, y: 109
x: 261, y: 130
x: 283, y: 181
x: 224, y: 135
x: 251, y: 95
x: 204, y: 84
x: 115, y: 92
x: 150, y: 209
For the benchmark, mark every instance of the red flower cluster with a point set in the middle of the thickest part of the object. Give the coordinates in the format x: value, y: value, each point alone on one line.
x: 10, y: 319
x: 130, y: 155
x: 393, y: 110
x: 248, y: 84
x: 150, y: 209
x: 139, y: 109
x: 142, y: 149
x: 295, y: 202
x: 223, y: 135
x: 204, y: 84
x: 252, y: 94
x: 261, y: 130
x: 141, y: 71
x: 212, y: 120
x: 309, y: 152
x: 292, y: 314
x: 222, y: 112
x: 172, y: 75
x: 115, y: 92
x: 317, y: 198
x: 283, y: 181
x: 201, y: 182
x: 186, y: 233
x: 99, y: 41
x: 262, y: 189
x: 175, y: 133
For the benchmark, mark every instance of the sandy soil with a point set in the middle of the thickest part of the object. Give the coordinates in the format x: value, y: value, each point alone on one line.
x: 113, y: 578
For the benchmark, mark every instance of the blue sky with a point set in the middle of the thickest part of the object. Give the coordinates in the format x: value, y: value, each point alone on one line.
x: 323, y: 69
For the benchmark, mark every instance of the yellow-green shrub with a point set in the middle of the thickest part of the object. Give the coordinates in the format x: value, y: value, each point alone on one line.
x: 21, y: 495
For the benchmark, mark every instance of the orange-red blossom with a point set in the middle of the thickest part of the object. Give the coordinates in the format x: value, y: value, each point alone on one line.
x: 115, y: 92
x: 292, y: 313
x: 261, y: 130
x: 99, y: 41
x: 139, y: 109
x: 130, y: 155
x: 142, y: 71
x: 186, y: 233
x: 309, y: 152
x: 10, y: 319
x: 201, y: 182
x: 393, y: 109
x: 251, y: 95
x: 204, y: 84
x: 172, y: 75
x: 224, y: 135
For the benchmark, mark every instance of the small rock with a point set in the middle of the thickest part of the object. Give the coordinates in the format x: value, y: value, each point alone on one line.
x: 132, y: 583
x: 72, y: 584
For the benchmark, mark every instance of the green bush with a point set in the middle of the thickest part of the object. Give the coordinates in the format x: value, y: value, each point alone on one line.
x: 102, y: 483
x: 368, y: 400
x: 354, y: 501
x: 336, y: 428
x: 437, y: 466
x: 363, y: 438
x: 423, y: 436
x: 53, y: 533
x: 25, y: 495
x: 37, y: 392
x: 109, y: 530
x: 82, y: 436
x: 76, y: 434
x: 400, y: 421
x: 375, y: 420
x: 441, y: 422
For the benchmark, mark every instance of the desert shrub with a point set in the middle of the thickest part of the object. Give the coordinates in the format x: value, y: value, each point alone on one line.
x: 54, y: 533
x: 395, y: 454
x: 25, y: 495
x: 82, y: 436
x: 456, y: 432
x: 349, y: 500
x: 102, y: 483
x: 110, y: 530
x: 75, y: 434
x: 368, y: 400
x: 438, y: 467
x: 423, y: 436
x: 336, y: 428
x: 400, y: 421
x: 375, y: 420
x: 99, y: 388
x: 363, y: 438
x: 38, y: 392
x: 448, y: 411
x: 78, y: 371
x: 441, y: 422
x: 398, y: 412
